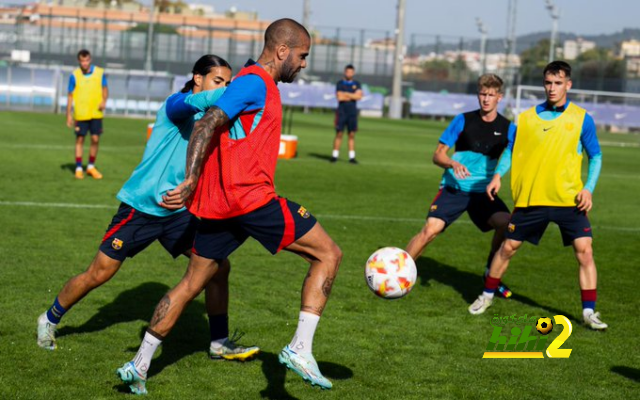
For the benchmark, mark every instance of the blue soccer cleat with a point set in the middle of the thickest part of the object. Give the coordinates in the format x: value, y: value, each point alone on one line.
x: 305, y: 366
x: 129, y: 375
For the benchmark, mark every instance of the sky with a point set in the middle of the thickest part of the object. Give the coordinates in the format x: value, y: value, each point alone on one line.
x: 451, y: 17
x: 447, y: 18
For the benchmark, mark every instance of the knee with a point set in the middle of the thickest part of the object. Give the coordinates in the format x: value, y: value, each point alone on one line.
x: 99, y: 274
x: 508, y: 249
x: 429, y: 233
x: 223, y: 272
x: 585, y: 253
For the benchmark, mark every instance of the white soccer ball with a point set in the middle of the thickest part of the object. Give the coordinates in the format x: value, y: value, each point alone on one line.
x: 390, y: 273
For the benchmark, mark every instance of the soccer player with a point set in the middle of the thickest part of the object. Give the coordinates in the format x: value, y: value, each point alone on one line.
x: 88, y: 92
x: 546, y: 160
x: 348, y: 92
x: 140, y: 220
x: 479, y: 138
x: 231, y: 163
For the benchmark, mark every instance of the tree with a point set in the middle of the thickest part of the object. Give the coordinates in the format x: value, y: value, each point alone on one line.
x: 534, y: 59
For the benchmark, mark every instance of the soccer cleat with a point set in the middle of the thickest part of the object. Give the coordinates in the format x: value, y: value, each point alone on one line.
x: 504, y: 291
x: 94, y: 173
x: 480, y: 305
x: 333, y: 159
x: 353, y: 161
x: 593, y: 321
x: 79, y: 174
x: 230, y: 351
x: 305, y: 366
x: 130, y: 376
x: 46, y: 333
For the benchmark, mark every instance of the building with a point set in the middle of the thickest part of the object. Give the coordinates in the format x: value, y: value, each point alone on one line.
x: 573, y: 48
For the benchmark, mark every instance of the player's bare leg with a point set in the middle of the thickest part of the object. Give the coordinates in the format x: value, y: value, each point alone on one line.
x: 499, y: 267
x: 431, y: 229
x: 499, y: 222
x: 337, y: 142
x: 588, y: 282
x: 324, y: 256
x: 100, y: 271
x: 199, y: 273
x: 93, y: 153
x: 216, y: 297
x: 79, y: 149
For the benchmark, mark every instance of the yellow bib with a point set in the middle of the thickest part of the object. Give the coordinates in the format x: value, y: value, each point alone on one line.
x: 546, y: 166
x: 87, y: 95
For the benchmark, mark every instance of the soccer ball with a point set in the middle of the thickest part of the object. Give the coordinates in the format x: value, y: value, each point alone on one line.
x: 390, y: 273
x: 544, y: 325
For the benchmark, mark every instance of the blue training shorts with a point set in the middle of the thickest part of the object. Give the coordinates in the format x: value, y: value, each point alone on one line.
x: 94, y: 126
x: 132, y: 231
x: 529, y: 223
x: 275, y: 225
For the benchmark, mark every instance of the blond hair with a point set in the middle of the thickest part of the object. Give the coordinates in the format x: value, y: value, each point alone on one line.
x: 490, y: 81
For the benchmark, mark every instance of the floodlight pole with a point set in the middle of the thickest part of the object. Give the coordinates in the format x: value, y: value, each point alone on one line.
x: 306, y: 11
x: 148, y: 63
x: 483, y: 43
x: 395, y: 105
x: 555, y: 16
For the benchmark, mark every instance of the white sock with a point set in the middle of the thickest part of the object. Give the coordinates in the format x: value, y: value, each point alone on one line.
x: 216, y: 344
x: 488, y: 295
x: 586, y: 312
x: 148, y: 347
x: 336, y: 153
x: 352, y: 154
x: 78, y: 168
x: 302, y: 341
x: 89, y: 166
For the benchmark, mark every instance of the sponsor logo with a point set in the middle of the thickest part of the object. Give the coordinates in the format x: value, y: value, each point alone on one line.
x: 116, y: 244
x: 434, y: 207
x: 303, y: 212
x: 511, y: 228
x: 497, y: 133
x: 546, y: 129
x: 520, y: 341
x: 587, y: 229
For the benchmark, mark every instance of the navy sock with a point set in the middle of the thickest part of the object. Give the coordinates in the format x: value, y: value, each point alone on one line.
x: 56, y: 312
x: 219, y: 326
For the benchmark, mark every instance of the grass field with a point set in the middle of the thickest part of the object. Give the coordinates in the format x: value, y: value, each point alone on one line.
x: 423, y: 346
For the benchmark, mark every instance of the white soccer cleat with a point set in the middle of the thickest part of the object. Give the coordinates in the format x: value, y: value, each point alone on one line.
x: 46, y: 333
x: 593, y: 321
x: 480, y: 305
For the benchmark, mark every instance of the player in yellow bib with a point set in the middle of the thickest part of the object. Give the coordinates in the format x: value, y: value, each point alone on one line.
x: 87, y: 97
x: 545, y: 156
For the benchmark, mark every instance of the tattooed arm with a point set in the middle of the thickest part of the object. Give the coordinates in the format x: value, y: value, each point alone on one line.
x: 196, y: 154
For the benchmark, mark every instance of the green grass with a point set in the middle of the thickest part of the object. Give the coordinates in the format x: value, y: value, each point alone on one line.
x: 423, y: 346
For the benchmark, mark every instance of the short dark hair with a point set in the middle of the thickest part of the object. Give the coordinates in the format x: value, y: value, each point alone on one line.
x: 350, y: 66
x: 203, y: 66
x: 555, y: 67
x: 83, y: 53
x: 284, y: 31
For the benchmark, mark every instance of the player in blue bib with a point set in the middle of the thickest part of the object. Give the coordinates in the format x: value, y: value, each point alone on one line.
x: 479, y: 138
x: 141, y: 220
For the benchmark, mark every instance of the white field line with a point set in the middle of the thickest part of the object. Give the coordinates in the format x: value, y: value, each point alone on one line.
x: 114, y: 207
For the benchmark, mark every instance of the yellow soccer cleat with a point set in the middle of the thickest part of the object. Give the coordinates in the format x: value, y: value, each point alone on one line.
x: 94, y: 173
x: 79, y: 174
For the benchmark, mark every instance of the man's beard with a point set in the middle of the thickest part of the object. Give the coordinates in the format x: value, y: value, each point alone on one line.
x: 288, y: 73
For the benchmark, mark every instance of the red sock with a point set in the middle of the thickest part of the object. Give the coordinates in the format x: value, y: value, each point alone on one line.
x: 92, y: 160
x: 78, y: 162
x: 589, y: 298
x: 491, y: 284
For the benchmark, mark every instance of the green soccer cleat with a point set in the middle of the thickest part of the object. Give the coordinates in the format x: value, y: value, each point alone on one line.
x: 230, y: 351
x: 46, y: 333
x: 305, y: 366
x: 480, y: 305
x: 130, y: 376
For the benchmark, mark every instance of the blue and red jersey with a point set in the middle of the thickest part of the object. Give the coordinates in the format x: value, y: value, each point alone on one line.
x: 238, y: 174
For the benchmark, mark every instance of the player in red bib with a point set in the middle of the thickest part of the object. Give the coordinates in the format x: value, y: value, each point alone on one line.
x: 231, y: 162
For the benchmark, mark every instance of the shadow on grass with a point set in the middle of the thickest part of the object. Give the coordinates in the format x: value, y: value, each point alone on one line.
x: 470, y: 285
x: 69, y: 167
x: 135, y: 304
x: 627, y: 372
x: 326, y: 157
x: 276, y: 373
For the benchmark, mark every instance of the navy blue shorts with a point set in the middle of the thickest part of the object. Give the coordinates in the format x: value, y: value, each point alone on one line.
x: 132, y: 231
x: 93, y: 125
x: 529, y: 223
x: 346, y: 119
x: 275, y: 225
x: 450, y: 203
